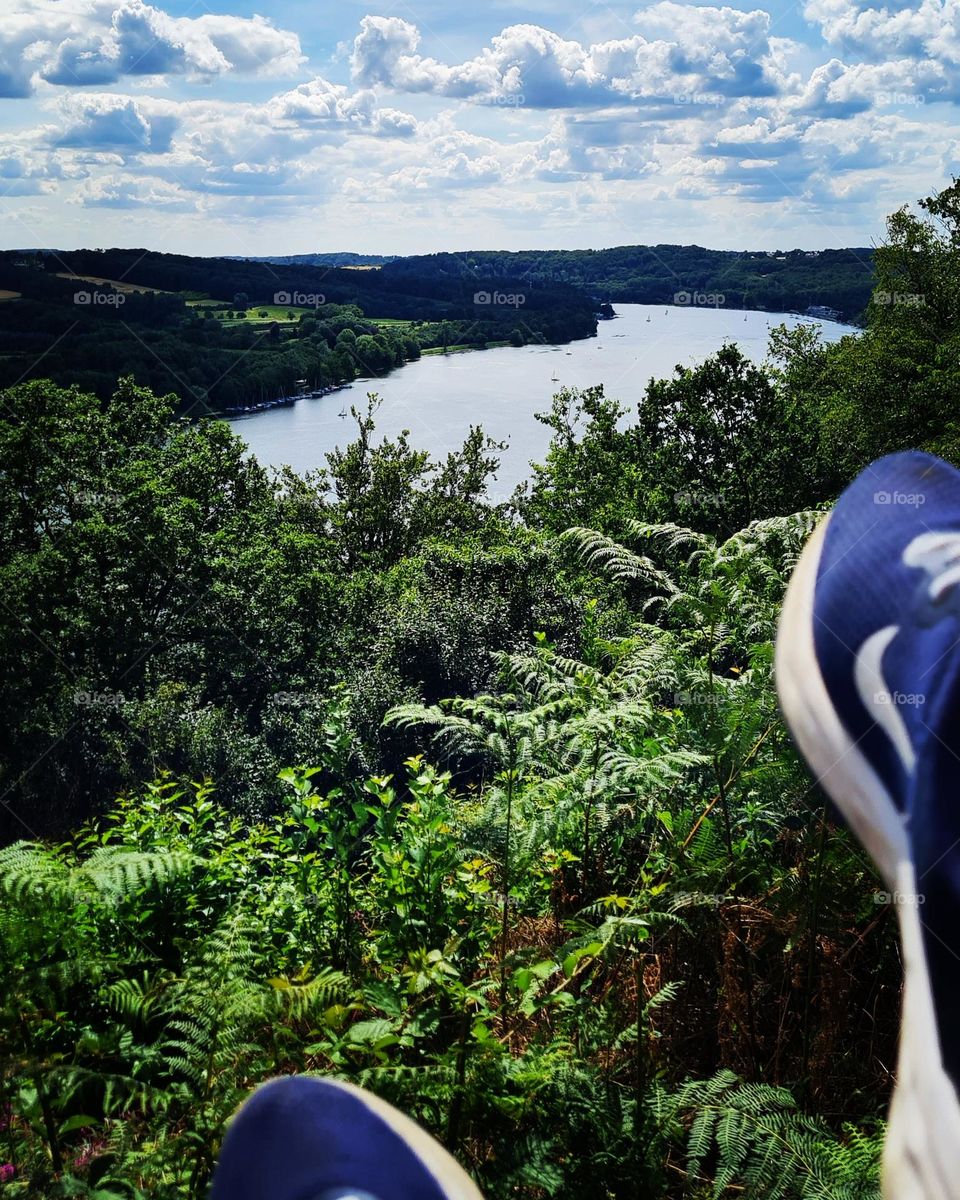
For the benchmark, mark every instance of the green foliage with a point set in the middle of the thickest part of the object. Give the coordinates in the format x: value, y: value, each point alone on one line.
x: 753, y: 1138
x: 718, y: 445
x: 492, y: 808
x: 893, y: 387
x: 390, y: 497
x: 721, y: 445
x: 476, y: 946
x: 171, y: 607
x: 590, y: 472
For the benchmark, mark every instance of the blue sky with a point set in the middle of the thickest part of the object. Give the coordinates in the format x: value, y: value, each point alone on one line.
x: 220, y: 126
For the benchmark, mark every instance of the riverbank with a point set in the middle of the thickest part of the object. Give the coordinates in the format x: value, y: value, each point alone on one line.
x: 465, y: 349
x: 282, y: 401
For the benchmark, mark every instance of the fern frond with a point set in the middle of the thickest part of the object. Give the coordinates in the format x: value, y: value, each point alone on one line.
x: 602, y: 553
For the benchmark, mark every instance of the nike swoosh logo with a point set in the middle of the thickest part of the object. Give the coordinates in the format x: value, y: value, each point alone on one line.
x: 876, y: 697
x: 938, y: 556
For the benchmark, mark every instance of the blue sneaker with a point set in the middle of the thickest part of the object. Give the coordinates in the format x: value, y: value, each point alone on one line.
x: 304, y: 1138
x: 868, y: 674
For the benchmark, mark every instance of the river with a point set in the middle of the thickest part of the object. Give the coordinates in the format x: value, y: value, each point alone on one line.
x: 439, y: 397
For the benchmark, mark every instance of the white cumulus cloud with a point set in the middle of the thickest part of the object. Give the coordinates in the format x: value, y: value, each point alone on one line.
x: 102, y: 121
x: 693, y: 50
x: 99, y: 42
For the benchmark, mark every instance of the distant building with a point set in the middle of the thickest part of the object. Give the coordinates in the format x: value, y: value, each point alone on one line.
x: 823, y: 312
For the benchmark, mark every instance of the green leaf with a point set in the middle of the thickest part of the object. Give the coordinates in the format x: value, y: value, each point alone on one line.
x: 78, y: 1122
x: 370, y: 1032
x: 576, y: 956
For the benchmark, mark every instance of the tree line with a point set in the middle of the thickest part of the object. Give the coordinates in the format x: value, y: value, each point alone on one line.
x: 172, y: 346
x: 778, y: 281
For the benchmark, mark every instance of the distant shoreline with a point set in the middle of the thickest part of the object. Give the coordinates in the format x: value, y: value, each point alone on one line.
x: 439, y: 352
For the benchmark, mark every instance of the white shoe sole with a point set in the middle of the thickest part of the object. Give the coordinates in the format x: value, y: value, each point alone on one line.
x: 921, y: 1157
x: 837, y: 763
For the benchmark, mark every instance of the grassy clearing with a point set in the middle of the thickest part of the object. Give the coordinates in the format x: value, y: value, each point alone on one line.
x: 271, y: 313
x: 462, y: 349
x: 118, y: 284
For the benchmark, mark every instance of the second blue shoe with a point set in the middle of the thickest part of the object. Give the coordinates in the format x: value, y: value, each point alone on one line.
x: 868, y: 673
x: 306, y: 1138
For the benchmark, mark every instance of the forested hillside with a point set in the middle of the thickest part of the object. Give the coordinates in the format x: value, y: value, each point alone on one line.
x: 182, y: 325
x: 342, y: 258
x: 558, y: 310
x: 779, y: 281
x: 179, y: 325
x: 488, y: 808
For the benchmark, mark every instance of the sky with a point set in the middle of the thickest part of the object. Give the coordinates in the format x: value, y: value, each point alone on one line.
x: 228, y: 127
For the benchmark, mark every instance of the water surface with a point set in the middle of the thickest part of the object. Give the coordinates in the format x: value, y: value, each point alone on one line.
x: 439, y: 397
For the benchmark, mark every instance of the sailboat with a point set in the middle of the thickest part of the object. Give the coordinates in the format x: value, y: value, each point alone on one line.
x: 648, y: 316
x: 554, y: 378
x: 343, y: 412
